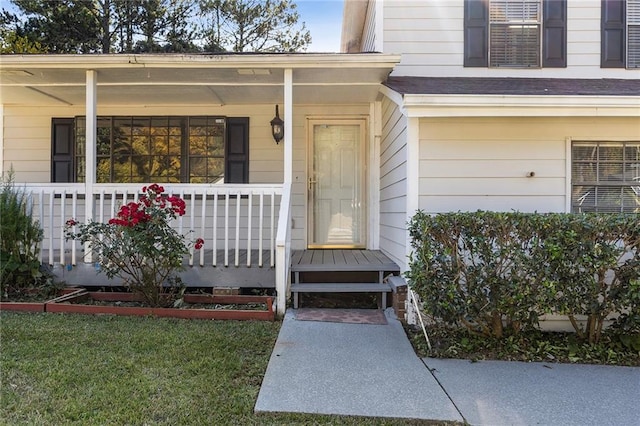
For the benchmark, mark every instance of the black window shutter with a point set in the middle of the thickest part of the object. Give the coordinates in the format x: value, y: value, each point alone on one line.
x: 554, y: 36
x: 237, y: 150
x: 62, y: 150
x: 612, y: 34
x: 476, y: 33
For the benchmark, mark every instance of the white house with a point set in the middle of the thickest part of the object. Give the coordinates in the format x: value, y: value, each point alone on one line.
x: 525, y: 105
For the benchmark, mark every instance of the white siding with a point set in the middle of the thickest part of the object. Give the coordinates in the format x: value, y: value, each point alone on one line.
x: 469, y: 164
x: 429, y: 35
x: 27, y: 143
x: 393, y: 180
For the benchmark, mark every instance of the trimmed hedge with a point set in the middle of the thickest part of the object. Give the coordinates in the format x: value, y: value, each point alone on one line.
x: 497, y: 273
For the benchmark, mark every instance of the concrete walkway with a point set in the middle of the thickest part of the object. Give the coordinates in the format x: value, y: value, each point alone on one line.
x: 372, y: 370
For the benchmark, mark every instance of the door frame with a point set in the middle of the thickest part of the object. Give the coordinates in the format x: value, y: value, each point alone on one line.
x: 363, y: 122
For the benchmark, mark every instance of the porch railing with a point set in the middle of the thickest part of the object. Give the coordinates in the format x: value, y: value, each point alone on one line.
x: 236, y: 221
x: 283, y: 250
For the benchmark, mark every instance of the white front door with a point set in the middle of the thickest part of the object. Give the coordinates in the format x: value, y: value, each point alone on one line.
x: 336, y: 186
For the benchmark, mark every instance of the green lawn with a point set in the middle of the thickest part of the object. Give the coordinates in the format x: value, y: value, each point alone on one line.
x: 98, y: 370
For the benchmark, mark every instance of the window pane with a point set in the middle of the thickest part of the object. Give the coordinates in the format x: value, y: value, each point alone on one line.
x: 610, y: 172
x: 515, y: 10
x: 175, y: 145
x: 82, y: 171
x: 585, y: 152
x: 609, y: 199
x: 121, y: 143
x: 215, y: 168
x: 632, y: 152
x: 631, y: 199
x: 103, y: 170
x: 515, y: 45
x: 610, y: 152
x: 198, y: 166
x: 160, y: 145
x: 197, y: 145
x: 585, y: 172
x: 215, y: 146
x: 121, y: 169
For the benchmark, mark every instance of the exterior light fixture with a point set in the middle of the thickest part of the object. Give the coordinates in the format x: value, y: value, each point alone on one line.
x: 277, y: 127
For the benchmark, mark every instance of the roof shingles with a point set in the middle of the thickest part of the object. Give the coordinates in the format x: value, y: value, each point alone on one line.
x: 513, y: 86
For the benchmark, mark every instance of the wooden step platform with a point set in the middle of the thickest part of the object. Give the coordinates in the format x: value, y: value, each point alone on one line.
x: 306, y: 263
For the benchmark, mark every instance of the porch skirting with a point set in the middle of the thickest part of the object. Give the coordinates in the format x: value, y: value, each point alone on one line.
x: 86, y: 274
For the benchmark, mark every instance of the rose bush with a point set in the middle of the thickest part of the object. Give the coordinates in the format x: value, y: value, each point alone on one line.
x: 140, y: 246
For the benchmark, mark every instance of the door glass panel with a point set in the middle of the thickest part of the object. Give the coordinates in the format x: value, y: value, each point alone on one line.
x: 336, y: 186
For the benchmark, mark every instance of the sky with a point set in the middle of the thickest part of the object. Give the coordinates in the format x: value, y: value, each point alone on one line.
x: 323, y: 19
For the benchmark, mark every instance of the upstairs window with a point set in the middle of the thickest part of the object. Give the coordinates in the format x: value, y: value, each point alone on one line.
x: 633, y: 33
x: 515, y: 33
x: 620, y: 34
x: 164, y: 149
x: 605, y: 177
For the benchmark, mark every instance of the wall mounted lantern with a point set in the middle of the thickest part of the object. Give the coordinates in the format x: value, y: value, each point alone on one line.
x: 277, y: 127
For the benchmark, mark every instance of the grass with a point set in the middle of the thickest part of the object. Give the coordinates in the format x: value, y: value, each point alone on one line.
x: 85, y: 370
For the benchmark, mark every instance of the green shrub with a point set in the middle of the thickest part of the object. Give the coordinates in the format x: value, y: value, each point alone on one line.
x: 496, y: 273
x: 590, y: 263
x: 19, y: 245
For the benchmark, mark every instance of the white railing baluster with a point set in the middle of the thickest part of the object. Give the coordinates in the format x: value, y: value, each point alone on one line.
x: 238, y: 199
x: 226, y: 228
x: 272, y: 235
x: 41, y: 221
x: 180, y: 221
x: 101, y: 206
x: 51, y: 233
x: 261, y: 230
x: 63, y: 202
x: 203, y: 216
x: 249, y: 213
x: 74, y: 215
x: 192, y: 218
x: 215, y: 229
x: 112, y: 213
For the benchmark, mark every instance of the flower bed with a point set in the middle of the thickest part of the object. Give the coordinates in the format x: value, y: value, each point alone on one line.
x: 195, y: 306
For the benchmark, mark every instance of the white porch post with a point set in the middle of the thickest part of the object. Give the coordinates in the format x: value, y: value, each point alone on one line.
x: 91, y: 105
x: 288, y: 125
x: 284, y: 221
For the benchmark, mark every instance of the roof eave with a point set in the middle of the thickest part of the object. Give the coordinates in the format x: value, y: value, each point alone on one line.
x: 425, y: 105
x: 307, y: 60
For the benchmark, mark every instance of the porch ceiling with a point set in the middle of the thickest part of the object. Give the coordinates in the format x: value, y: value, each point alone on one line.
x: 192, y: 80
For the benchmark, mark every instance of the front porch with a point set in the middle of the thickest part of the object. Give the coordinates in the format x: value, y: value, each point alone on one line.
x: 71, y: 126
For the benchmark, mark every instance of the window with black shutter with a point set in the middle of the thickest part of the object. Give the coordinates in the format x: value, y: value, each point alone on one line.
x: 515, y: 33
x: 620, y: 34
x: 164, y: 149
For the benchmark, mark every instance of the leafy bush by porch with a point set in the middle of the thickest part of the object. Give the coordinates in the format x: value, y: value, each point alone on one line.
x: 20, y: 241
x: 497, y: 273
